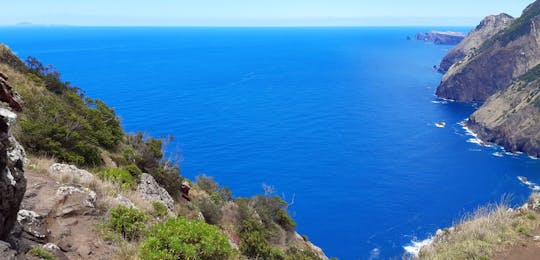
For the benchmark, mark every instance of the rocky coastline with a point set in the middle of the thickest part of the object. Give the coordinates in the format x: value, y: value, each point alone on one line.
x: 497, y: 64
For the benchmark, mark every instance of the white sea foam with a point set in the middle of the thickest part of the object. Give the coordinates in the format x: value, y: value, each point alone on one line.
x: 414, y: 247
x: 533, y: 186
x: 497, y: 154
x: 474, y: 139
x: 375, y: 254
x: 444, y: 102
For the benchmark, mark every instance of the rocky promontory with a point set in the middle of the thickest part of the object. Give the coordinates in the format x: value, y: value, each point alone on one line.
x: 442, y: 38
x: 487, y: 28
x: 497, y: 62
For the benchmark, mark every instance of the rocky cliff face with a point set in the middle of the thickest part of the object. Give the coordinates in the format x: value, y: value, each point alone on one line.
x: 443, y: 38
x: 497, y: 62
x: 490, y: 26
x: 511, y: 118
x: 12, y: 181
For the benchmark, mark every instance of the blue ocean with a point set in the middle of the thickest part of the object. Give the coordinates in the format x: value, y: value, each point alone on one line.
x: 340, y: 121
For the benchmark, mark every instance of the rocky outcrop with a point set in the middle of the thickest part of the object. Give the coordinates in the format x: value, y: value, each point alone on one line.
x: 442, y: 38
x: 12, y: 181
x: 487, y: 28
x: 151, y: 191
x: 63, y: 219
x: 497, y: 62
x: 71, y: 171
x: 511, y: 118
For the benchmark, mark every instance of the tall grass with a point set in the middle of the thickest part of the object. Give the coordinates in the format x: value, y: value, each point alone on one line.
x: 478, y: 235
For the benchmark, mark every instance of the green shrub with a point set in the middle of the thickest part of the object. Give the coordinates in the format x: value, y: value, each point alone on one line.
x: 273, y: 210
x: 294, y: 253
x: 128, y: 222
x: 122, y: 177
x: 147, y: 154
x: 253, y: 241
x: 218, y: 193
x: 41, y: 253
x: 211, y: 211
x: 59, y: 121
x: 133, y: 169
x: 160, y: 210
x: 181, y: 239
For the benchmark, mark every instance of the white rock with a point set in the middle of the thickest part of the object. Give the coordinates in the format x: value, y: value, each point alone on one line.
x: 59, y: 169
x: 151, y: 191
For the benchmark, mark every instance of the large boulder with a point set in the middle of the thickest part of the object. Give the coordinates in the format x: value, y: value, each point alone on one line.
x: 12, y: 181
x: 151, y: 191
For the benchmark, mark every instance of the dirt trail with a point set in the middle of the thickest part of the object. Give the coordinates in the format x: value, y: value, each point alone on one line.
x: 526, y: 249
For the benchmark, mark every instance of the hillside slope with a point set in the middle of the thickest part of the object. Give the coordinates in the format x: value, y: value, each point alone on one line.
x: 511, y: 117
x: 499, y: 60
x: 488, y: 27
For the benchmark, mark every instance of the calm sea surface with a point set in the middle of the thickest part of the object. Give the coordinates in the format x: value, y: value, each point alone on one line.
x: 340, y: 119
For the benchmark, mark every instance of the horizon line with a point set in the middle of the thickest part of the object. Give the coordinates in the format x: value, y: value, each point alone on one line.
x: 233, y: 26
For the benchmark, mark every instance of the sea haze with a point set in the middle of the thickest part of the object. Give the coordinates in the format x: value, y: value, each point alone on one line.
x: 340, y: 119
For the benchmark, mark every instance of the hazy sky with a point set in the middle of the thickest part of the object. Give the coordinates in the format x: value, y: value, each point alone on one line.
x: 254, y: 12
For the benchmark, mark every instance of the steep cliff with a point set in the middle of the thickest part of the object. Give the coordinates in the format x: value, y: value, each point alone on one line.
x: 511, y: 118
x: 487, y: 28
x: 502, y: 58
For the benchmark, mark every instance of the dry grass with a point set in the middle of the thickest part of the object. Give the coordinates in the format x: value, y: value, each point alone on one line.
x: 478, y: 235
x: 39, y: 164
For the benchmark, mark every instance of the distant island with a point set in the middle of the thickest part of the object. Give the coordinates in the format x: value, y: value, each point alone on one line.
x: 442, y: 38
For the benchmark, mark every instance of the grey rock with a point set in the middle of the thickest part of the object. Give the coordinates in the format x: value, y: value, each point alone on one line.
x: 76, y: 201
x: 12, y: 181
x: 123, y: 201
x: 60, y: 169
x: 6, y: 252
x: 33, y: 225
x: 151, y: 191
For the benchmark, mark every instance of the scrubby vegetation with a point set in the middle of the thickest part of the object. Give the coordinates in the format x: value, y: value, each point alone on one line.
x: 160, y: 210
x: 182, y: 239
x: 147, y: 154
x: 59, y: 121
x: 518, y: 28
x: 128, y: 222
x: 478, y: 235
x: 41, y: 253
x: 119, y: 176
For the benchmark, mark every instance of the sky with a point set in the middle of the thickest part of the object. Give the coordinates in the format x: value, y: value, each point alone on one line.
x: 254, y: 12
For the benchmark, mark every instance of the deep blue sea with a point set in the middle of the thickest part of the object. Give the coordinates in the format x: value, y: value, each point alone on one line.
x: 340, y: 119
